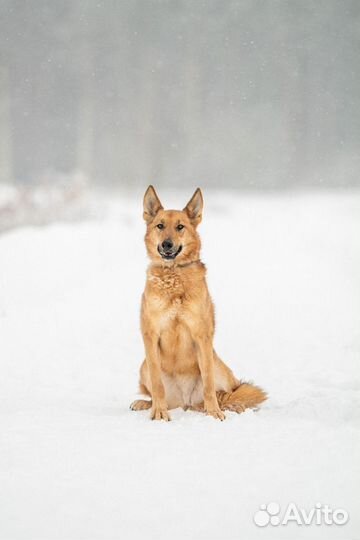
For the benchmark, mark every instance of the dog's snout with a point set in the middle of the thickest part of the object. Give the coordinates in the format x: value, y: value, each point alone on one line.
x: 167, y: 244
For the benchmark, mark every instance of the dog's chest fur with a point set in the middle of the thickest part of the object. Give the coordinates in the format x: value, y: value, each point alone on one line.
x: 174, y: 297
x: 169, y: 284
x: 172, y: 293
x: 174, y: 283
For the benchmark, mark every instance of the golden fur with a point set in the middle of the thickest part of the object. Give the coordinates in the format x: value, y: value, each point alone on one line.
x: 181, y: 368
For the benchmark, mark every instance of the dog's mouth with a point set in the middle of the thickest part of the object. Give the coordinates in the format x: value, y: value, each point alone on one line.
x: 170, y: 253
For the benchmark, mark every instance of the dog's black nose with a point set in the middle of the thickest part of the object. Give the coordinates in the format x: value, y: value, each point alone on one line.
x: 167, y: 244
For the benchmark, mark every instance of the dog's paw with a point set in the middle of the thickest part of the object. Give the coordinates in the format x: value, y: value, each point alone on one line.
x: 216, y: 413
x: 140, y: 405
x: 158, y: 413
x: 235, y: 407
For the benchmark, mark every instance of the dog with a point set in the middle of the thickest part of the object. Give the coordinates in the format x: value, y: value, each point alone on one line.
x: 181, y: 367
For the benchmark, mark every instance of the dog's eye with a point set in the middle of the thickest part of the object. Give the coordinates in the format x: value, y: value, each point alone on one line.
x: 179, y: 227
x: 160, y: 225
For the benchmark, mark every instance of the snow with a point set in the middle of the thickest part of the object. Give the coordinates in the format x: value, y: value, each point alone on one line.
x: 76, y: 463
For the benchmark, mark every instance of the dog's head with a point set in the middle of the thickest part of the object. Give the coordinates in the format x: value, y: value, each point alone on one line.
x: 171, y: 235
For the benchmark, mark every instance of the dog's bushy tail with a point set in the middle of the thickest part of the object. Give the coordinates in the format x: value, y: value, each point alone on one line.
x: 245, y: 396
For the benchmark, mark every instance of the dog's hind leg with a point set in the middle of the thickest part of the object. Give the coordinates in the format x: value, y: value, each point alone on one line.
x: 245, y: 396
x: 141, y: 405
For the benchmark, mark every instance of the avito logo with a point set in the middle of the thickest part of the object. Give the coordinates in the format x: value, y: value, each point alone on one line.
x: 320, y: 514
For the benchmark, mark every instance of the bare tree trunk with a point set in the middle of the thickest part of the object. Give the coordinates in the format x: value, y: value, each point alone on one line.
x: 150, y: 147
x: 192, y: 114
x: 6, y: 173
x: 85, y: 136
x: 84, y: 14
x: 192, y: 104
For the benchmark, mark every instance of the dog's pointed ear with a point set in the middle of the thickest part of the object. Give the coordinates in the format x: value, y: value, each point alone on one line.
x: 194, y: 207
x: 152, y: 204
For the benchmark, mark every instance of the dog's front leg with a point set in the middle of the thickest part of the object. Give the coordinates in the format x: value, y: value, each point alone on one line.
x: 206, y: 365
x: 159, y: 406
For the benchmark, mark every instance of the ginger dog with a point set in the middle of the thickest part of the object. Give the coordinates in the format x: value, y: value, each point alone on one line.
x: 181, y: 368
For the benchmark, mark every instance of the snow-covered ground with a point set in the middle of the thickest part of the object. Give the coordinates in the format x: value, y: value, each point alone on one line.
x: 76, y: 463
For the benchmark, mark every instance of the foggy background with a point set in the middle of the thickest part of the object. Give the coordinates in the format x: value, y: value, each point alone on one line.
x: 235, y: 93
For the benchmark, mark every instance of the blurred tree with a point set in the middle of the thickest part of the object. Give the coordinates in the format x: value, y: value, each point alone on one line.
x: 6, y: 173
